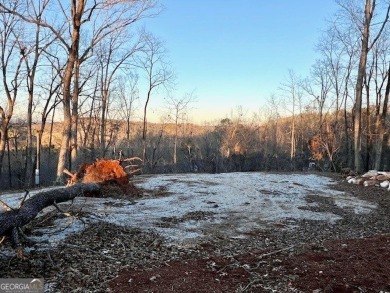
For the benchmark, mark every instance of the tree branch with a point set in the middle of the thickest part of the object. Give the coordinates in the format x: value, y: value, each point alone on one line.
x: 58, y: 34
x: 381, y: 29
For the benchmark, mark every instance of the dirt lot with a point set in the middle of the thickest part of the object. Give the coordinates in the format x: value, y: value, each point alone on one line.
x: 351, y: 254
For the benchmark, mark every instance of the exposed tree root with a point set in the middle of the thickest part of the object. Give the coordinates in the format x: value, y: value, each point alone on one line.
x: 107, y: 173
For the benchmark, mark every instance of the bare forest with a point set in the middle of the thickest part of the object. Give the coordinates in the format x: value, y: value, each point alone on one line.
x: 77, y: 78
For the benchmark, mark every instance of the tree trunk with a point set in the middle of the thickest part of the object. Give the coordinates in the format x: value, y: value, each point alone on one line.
x: 67, y: 80
x: 9, y: 165
x: 359, y: 89
x: 103, y: 121
x: 13, y: 219
x: 368, y: 127
x: 64, y: 149
x: 51, y: 134
x: 175, y: 142
x: 29, y: 147
x: 3, y: 140
x: 144, y: 130
x: 31, y: 70
x: 381, y: 125
x: 75, y: 116
x: 292, y: 145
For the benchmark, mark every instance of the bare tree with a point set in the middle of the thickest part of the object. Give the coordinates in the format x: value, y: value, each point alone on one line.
x: 11, y: 63
x: 338, y: 48
x: 113, y: 54
x: 177, y: 108
x: 292, y: 91
x: 101, y: 18
x: 32, y: 50
x: 90, y: 112
x: 127, y: 96
x: 381, y: 108
x: 364, y: 26
x: 48, y: 92
x: 157, y: 74
x: 271, y: 129
x: 238, y: 136
x: 318, y: 87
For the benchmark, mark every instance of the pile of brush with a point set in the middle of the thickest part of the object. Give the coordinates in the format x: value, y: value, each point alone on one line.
x: 371, y: 178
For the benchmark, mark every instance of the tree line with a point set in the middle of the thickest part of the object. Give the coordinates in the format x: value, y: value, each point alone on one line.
x: 90, y: 62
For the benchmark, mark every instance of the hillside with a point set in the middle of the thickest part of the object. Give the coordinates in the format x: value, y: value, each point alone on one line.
x: 119, y: 128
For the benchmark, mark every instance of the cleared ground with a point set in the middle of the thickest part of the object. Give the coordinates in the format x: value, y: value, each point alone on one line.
x: 254, y: 232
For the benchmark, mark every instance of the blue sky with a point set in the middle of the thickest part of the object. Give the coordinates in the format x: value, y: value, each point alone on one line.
x: 237, y: 52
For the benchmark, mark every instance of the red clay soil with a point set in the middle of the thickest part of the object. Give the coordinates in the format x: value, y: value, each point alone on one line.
x: 192, y: 276
x: 356, y: 265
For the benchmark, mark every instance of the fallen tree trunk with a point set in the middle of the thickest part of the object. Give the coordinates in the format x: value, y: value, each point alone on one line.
x: 13, y: 219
